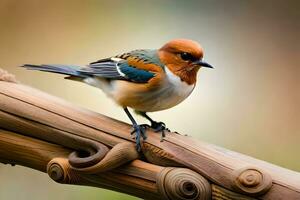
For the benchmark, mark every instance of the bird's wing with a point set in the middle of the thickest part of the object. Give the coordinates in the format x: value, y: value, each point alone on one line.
x: 138, y: 66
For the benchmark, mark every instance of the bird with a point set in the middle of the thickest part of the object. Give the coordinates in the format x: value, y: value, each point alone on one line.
x: 145, y: 80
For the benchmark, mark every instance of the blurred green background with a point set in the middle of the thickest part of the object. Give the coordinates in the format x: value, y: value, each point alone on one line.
x: 249, y: 103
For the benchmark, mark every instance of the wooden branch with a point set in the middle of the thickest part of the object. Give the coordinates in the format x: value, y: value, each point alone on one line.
x: 77, y: 146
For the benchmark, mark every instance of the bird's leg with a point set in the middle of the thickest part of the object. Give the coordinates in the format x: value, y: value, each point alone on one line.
x: 157, y: 126
x: 137, y: 129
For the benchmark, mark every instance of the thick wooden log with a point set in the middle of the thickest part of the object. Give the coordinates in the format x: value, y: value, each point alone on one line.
x: 77, y: 146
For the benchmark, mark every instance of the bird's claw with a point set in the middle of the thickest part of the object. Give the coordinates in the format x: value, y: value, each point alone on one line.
x: 142, y: 128
x: 139, y: 131
x: 160, y: 127
x: 145, y: 126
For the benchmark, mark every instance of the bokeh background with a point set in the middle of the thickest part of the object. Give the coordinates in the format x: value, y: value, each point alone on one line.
x: 249, y: 103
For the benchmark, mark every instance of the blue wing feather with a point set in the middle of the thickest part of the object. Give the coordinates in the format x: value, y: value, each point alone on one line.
x: 120, y: 69
x: 117, y: 69
x: 136, y: 75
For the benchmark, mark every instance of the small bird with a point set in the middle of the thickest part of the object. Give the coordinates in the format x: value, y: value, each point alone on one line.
x: 146, y: 80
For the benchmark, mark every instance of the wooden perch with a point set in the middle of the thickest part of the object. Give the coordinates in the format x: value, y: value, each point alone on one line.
x: 81, y: 147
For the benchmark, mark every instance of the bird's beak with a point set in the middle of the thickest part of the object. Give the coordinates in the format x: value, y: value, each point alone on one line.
x: 202, y: 64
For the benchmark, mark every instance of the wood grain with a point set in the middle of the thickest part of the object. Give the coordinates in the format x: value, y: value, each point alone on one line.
x: 84, y: 147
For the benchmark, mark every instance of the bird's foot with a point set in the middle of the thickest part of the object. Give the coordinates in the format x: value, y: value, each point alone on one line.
x: 143, y: 128
x: 160, y: 127
x: 139, y: 131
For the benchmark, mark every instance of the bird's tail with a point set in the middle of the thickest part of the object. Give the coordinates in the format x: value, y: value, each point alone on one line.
x: 72, y: 71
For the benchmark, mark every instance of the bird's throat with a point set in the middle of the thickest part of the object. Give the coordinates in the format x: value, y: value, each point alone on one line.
x: 188, y: 76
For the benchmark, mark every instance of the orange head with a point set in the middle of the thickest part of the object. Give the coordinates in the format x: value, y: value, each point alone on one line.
x: 183, y: 58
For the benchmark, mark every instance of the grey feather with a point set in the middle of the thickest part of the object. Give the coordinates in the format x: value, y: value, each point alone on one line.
x: 60, y: 69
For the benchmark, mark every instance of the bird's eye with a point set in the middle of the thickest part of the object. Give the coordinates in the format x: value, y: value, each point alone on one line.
x: 186, y: 56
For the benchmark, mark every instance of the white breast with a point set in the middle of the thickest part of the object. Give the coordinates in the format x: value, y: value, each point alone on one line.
x: 181, y: 88
x: 171, y: 93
